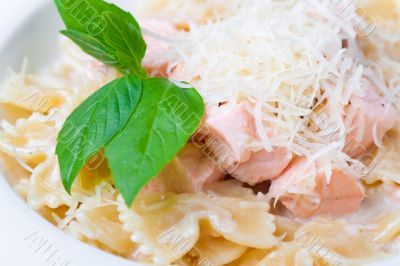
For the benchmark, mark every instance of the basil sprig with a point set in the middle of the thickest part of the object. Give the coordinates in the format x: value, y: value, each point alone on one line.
x: 106, y: 32
x: 141, y: 122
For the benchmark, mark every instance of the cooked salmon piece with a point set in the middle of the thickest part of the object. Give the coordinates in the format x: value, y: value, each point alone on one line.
x: 368, y: 117
x: 199, y: 168
x: 229, y: 129
x: 189, y: 172
x: 155, y: 61
x: 262, y: 166
x: 304, y: 190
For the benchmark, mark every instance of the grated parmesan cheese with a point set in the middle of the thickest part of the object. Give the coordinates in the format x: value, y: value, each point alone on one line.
x: 286, y: 58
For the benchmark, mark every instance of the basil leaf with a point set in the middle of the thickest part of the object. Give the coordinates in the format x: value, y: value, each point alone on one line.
x: 117, y: 31
x: 164, y: 120
x: 94, y: 123
x: 87, y: 15
x: 127, y: 42
x: 92, y: 46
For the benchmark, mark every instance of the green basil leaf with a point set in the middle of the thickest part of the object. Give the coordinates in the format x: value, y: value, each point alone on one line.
x: 164, y: 120
x: 87, y: 15
x: 94, y: 123
x: 92, y: 46
x: 127, y: 42
x: 117, y: 31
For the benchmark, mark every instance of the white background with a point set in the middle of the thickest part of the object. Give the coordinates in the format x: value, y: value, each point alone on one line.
x: 12, y: 11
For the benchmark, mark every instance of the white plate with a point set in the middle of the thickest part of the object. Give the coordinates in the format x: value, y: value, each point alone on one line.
x: 25, y: 237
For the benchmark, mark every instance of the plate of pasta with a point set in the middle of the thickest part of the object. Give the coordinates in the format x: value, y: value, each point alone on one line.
x: 238, y: 133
